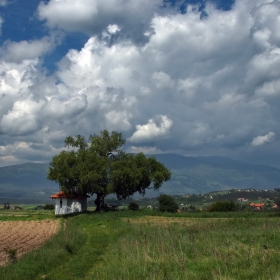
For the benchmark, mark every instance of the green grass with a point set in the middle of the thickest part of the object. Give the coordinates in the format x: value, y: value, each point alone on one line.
x: 26, y: 215
x: 129, y: 245
x: 201, y: 249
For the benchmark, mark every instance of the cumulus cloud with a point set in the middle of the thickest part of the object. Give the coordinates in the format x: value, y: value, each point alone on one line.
x: 132, y: 18
x: 1, y: 22
x: 21, y: 151
x: 162, y: 80
x: 22, y: 118
x: 57, y: 108
x: 261, y: 140
x: 25, y: 50
x: 156, y: 127
x: 168, y: 81
x: 145, y: 149
x: 266, y: 21
x: 3, y: 3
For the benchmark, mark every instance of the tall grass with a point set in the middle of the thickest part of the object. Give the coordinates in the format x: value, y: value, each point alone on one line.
x: 134, y: 245
x: 197, y: 249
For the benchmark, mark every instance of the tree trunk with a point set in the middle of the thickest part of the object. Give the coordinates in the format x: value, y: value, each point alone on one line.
x: 99, y: 202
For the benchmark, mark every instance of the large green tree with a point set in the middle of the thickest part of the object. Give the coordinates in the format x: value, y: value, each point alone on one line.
x: 100, y: 167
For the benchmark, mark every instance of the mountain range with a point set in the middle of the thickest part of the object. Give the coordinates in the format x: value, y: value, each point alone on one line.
x: 27, y: 182
x: 206, y: 174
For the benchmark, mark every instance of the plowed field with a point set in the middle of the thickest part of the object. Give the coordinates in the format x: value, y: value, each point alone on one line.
x: 24, y: 236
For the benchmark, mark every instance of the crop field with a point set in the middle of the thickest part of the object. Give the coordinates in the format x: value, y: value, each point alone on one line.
x: 24, y: 236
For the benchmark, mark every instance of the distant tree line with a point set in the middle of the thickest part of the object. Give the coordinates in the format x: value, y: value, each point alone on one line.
x: 45, y: 207
x: 223, y: 206
x: 7, y: 206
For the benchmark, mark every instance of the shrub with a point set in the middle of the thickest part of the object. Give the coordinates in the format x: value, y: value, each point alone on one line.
x: 133, y: 206
x: 12, y: 254
x: 223, y: 206
x: 167, y: 203
x: 7, y: 205
x: 49, y: 207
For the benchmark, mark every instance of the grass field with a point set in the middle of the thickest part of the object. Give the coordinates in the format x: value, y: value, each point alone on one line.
x: 148, y: 245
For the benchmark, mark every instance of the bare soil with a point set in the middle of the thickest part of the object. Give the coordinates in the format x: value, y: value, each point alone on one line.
x: 24, y: 236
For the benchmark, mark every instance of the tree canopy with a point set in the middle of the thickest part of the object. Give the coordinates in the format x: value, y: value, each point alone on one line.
x: 100, y: 167
x: 223, y: 206
x: 167, y: 203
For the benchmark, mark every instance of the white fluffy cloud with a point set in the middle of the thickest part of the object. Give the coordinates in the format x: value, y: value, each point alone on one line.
x: 156, y: 127
x: 59, y: 109
x: 26, y: 50
x: 260, y: 140
x: 168, y: 81
x: 131, y: 17
x: 22, y: 118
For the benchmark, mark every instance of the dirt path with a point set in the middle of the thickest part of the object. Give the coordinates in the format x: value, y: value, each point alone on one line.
x: 24, y: 236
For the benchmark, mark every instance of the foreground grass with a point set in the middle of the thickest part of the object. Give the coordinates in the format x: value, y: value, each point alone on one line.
x: 138, y: 245
x: 195, y: 249
x: 78, y: 246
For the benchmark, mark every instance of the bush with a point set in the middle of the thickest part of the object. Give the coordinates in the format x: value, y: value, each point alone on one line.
x: 133, y: 206
x: 49, y: 207
x: 277, y: 201
x: 12, y: 254
x: 167, y: 203
x: 223, y: 206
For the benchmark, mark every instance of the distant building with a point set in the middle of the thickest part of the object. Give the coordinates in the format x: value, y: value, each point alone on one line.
x: 68, y: 204
x: 242, y: 199
x: 257, y: 206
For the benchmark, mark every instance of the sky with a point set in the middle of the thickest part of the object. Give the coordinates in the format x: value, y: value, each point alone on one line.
x: 196, y: 78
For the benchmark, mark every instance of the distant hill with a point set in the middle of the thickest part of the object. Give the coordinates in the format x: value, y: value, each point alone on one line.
x: 206, y: 174
x: 27, y: 183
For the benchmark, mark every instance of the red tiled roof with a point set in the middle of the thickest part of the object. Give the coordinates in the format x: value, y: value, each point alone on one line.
x: 64, y: 195
x: 257, y: 204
